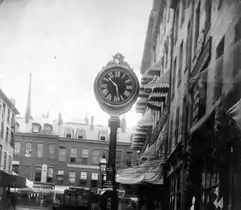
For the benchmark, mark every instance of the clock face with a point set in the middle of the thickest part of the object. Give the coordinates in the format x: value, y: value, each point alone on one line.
x: 116, y: 86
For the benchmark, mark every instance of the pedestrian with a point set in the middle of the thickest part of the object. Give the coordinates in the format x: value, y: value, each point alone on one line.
x: 13, y: 201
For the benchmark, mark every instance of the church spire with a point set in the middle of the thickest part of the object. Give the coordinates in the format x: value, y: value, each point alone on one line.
x: 28, y: 107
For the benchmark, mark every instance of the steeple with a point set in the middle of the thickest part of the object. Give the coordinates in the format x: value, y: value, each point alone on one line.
x: 28, y: 106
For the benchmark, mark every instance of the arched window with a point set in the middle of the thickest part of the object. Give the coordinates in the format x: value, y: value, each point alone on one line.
x: 103, y: 135
x: 69, y: 132
x: 80, y: 133
x: 48, y: 128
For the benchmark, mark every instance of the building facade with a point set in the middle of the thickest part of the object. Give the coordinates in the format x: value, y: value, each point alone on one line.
x: 192, y: 136
x: 7, y: 129
x: 67, y: 154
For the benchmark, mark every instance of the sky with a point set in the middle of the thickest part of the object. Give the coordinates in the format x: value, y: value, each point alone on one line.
x: 64, y: 44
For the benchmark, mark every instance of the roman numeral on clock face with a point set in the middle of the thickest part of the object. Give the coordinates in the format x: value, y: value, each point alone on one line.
x: 128, y: 87
x: 116, y: 99
x: 111, y: 74
x: 108, y: 98
x: 105, y: 91
x: 117, y: 73
x: 126, y: 93
x: 103, y: 85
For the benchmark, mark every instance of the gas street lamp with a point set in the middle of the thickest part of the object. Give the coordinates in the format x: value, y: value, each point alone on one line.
x: 102, y: 165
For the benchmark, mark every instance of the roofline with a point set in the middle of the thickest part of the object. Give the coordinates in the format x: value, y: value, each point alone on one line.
x: 146, y: 57
x: 94, y: 141
x: 8, y: 102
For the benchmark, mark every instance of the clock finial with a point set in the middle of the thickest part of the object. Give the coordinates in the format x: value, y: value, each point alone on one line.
x: 118, y: 59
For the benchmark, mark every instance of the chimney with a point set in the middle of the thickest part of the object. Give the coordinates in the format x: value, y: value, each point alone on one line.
x: 123, y: 124
x: 87, y: 120
x: 60, y: 120
x: 92, y: 122
x: 28, y: 107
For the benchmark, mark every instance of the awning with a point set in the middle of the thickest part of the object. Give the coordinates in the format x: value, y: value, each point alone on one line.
x: 146, y: 120
x: 59, y: 189
x: 146, y: 78
x: 143, y: 94
x: 139, y: 133
x: 12, y: 180
x: 155, y: 68
x: 148, y: 172
x: 148, y: 87
x: 163, y: 81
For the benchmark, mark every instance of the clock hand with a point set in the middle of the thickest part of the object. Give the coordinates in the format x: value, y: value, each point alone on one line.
x: 117, y: 92
x: 113, y: 82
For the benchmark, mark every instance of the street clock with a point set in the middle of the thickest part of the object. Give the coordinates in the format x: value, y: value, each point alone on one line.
x: 116, y: 86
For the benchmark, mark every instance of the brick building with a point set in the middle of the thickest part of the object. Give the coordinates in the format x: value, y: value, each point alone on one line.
x: 71, y: 151
x: 200, y: 151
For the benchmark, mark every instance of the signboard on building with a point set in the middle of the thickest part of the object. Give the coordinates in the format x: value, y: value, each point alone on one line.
x: 44, y: 173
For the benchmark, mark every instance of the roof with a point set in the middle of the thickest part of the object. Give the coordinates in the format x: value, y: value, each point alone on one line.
x: 8, y: 102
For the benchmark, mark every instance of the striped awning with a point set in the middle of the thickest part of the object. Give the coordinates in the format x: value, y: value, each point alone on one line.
x: 148, y: 87
x: 148, y: 172
x: 146, y: 78
x: 163, y: 82
x: 141, y: 104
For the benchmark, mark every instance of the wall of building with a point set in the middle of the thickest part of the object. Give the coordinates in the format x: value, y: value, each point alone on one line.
x: 26, y: 164
x: 7, y: 129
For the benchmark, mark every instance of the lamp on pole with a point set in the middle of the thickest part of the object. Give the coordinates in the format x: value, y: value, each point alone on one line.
x: 102, y: 165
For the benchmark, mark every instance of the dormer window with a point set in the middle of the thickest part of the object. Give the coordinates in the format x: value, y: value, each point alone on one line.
x: 48, y: 128
x: 80, y: 133
x: 103, y: 135
x: 36, y: 127
x: 69, y: 133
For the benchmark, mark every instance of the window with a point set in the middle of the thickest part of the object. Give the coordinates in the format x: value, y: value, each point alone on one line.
x: 17, y: 148
x: 62, y: 153
x: 13, y: 121
x: 39, y: 150
x: 210, y: 183
x: 103, y: 135
x: 128, y: 159
x: 80, y: 133
x: 177, y: 126
x: 28, y: 149
x: 69, y: 133
x: 85, y: 155
x: 118, y: 159
x: 72, y: 177
x: 73, y: 155
x: 5, y: 161
x: 11, y: 138
x: 8, y: 117
x: 180, y: 64
x: 174, y: 77
x: 9, y: 163
x: 1, y: 147
x: 176, y: 24
x: 171, y: 136
x: 175, y: 193
x: 94, y: 180
x: 38, y: 174
x: 50, y: 174
x: 52, y: 151
x: 7, y: 134
x: 83, y: 179
x: 197, y: 25
x: 60, y: 176
x: 188, y: 45
x: 2, y: 129
x: 183, y: 11
x: 36, y: 128
x: 96, y: 156
x: 48, y: 128
x: 237, y: 32
x: 208, y: 9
